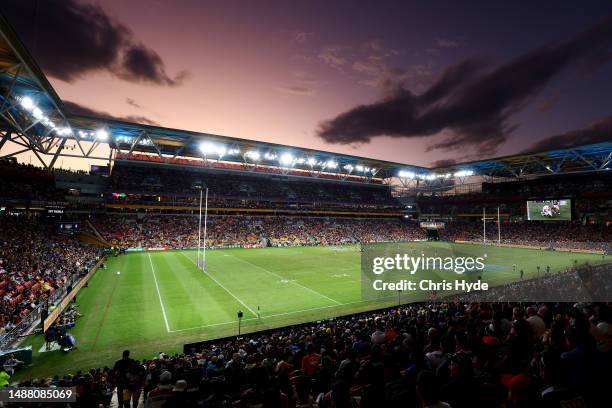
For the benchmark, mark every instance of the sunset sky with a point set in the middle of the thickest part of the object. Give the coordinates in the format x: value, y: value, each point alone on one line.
x: 407, y: 81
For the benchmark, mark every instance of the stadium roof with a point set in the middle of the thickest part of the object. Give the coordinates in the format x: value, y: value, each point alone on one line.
x: 34, y: 118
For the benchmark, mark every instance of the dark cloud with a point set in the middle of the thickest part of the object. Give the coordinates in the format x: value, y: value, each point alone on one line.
x: 142, y: 62
x: 133, y: 103
x: 296, y: 90
x: 599, y: 131
x: 71, y: 39
x: 78, y: 109
x: 471, y: 102
x: 443, y: 163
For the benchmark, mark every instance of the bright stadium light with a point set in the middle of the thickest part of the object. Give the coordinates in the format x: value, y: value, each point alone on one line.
x: 463, y: 173
x: 330, y: 164
x: 373, y: 171
x: 64, y: 131
x: 220, y: 151
x: 269, y: 156
x: 207, y: 147
x: 359, y: 167
x: 406, y: 174
x: 253, y: 155
x: 27, y: 103
x: 101, y: 134
x: 312, y: 161
x: 210, y: 148
x: 348, y: 167
x: 286, y: 158
x: 233, y: 151
x: 37, y: 113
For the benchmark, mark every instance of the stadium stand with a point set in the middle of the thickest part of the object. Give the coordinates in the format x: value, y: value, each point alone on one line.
x: 37, y: 265
x: 464, y: 354
x: 251, y: 231
x: 170, y: 185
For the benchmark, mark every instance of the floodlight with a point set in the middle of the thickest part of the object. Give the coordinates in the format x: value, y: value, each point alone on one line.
x: 253, y: 154
x: 65, y: 131
x: 464, y: 173
x: 270, y: 156
x: 27, y: 103
x: 331, y: 164
x: 101, y: 134
x: 286, y: 158
x: 406, y: 174
x: 359, y: 167
x: 348, y: 167
x: 209, y: 148
x: 37, y: 113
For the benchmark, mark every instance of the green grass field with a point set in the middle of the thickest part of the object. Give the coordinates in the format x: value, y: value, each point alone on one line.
x: 161, y: 300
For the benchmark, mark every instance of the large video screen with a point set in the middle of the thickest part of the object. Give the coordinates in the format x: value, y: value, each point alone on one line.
x: 549, y: 210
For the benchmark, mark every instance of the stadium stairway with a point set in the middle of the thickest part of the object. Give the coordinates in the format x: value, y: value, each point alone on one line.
x: 93, y: 236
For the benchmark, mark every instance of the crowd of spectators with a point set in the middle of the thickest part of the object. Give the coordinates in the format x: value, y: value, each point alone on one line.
x: 35, y: 261
x: 581, y: 283
x: 438, y: 354
x: 181, y: 231
x: 251, y: 231
x: 568, y: 235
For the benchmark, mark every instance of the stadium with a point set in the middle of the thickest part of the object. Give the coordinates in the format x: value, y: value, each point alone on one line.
x: 235, y: 271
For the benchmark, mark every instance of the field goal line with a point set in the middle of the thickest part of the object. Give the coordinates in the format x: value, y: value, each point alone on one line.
x: 223, y: 287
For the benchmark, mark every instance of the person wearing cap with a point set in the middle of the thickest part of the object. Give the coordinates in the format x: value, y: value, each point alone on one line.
x: 157, y: 397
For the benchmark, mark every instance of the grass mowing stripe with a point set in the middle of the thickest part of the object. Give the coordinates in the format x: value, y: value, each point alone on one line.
x: 219, y: 283
x: 290, y: 281
x: 161, y: 303
x: 104, y: 315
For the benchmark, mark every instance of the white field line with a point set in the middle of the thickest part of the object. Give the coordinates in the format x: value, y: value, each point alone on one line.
x: 161, y: 303
x: 224, y: 288
x: 290, y: 281
x: 276, y: 315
